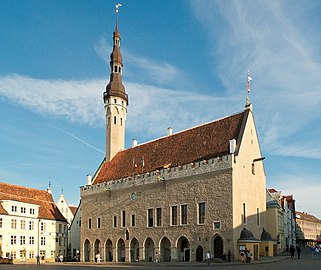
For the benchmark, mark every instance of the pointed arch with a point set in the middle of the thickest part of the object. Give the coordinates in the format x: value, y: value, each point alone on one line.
x: 183, y: 249
x: 149, y: 249
x: 109, y: 251
x: 218, y: 247
x: 134, y: 250
x: 199, y: 254
x: 87, y: 250
x: 165, y: 250
x: 121, y: 250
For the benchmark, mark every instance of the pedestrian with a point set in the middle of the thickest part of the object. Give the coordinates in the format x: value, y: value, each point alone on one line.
x: 98, y: 258
x: 208, y: 257
x: 229, y: 256
x: 38, y: 259
x: 317, y: 252
x: 292, y: 251
x: 243, y: 256
x: 248, y: 256
x: 298, y: 251
x: 61, y: 258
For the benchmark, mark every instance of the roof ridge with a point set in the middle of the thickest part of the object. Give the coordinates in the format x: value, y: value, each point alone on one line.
x: 185, y: 130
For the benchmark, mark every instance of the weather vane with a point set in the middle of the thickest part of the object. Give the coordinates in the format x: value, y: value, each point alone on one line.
x: 248, y: 86
x: 117, y: 7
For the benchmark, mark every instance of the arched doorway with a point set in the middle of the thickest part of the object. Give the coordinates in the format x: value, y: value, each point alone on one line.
x: 183, y: 249
x: 165, y: 250
x: 199, y: 254
x: 109, y: 251
x: 218, y: 247
x: 87, y: 251
x: 134, y: 250
x: 149, y: 250
x: 121, y: 250
x: 97, y: 248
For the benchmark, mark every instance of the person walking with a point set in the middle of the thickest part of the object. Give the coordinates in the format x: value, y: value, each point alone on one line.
x: 208, y: 257
x: 229, y: 256
x: 298, y: 251
x: 292, y: 251
x: 38, y: 259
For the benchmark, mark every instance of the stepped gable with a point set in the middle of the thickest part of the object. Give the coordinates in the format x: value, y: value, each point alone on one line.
x: 47, y: 209
x: 196, y: 144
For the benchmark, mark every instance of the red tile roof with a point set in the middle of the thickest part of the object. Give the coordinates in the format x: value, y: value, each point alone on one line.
x: 47, y: 209
x: 196, y: 144
x: 272, y: 190
x: 307, y: 217
x: 73, y: 209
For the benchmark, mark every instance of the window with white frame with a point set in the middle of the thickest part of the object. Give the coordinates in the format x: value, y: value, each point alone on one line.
x: 22, y: 240
x: 43, y: 241
x: 183, y: 214
x: 13, y: 224
x: 31, y: 225
x: 150, y: 217
x: 22, y: 224
x: 201, y: 213
x: 174, y: 215
x: 159, y: 217
x: 31, y: 240
x: 13, y: 239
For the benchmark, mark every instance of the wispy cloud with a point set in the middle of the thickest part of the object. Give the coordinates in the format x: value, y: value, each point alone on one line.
x: 81, y: 102
x: 278, y: 42
x: 78, y: 101
x: 159, y: 72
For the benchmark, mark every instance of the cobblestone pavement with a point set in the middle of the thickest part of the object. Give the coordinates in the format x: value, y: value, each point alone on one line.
x: 275, y: 263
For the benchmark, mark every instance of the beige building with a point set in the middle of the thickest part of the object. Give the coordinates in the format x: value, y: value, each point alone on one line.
x: 280, y: 216
x: 176, y: 197
x: 30, y: 224
x: 308, y: 228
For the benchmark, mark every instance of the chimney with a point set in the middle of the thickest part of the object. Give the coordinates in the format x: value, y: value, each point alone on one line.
x: 169, y: 131
x: 134, y: 143
x: 89, y: 179
x: 232, y: 146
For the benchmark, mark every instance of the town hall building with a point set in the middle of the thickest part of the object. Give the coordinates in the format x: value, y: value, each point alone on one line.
x: 176, y: 197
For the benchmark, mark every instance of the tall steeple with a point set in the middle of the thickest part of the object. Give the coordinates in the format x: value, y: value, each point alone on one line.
x: 115, y: 100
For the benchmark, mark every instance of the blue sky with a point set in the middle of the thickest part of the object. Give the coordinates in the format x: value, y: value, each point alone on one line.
x: 185, y: 63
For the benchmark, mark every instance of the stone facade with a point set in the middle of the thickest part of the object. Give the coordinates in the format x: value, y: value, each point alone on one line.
x: 174, y: 198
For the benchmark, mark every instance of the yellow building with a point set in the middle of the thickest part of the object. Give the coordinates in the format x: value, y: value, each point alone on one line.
x: 308, y: 228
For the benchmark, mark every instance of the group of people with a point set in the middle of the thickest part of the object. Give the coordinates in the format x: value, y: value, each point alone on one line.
x: 292, y: 251
x: 227, y: 257
x: 316, y: 252
x: 246, y: 255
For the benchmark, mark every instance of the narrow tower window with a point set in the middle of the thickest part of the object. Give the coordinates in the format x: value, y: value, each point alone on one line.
x: 121, y: 121
x: 115, y: 121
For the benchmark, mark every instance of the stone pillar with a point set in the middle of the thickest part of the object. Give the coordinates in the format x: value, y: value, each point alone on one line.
x: 174, y: 254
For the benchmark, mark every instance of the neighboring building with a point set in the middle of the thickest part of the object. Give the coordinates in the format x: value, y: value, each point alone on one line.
x: 30, y: 224
x: 178, y: 196
x: 68, y: 211
x: 308, y: 228
x: 74, y: 234
x: 280, y: 216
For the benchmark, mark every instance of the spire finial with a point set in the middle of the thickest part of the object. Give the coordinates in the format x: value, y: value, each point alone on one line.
x: 248, y: 86
x: 49, y: 187
x: 117, y: 10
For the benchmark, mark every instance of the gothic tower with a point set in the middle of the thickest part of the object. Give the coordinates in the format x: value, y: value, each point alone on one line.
x: 115, y: 101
